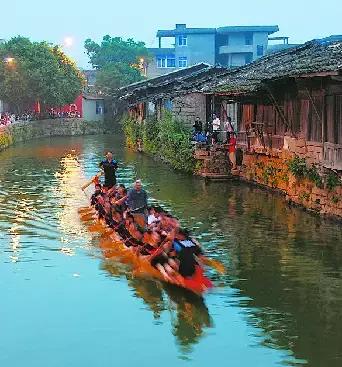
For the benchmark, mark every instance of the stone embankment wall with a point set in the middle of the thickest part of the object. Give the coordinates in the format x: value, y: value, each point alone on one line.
x: 212, y: 162
x: 22, y: 131
x: 271, y: 169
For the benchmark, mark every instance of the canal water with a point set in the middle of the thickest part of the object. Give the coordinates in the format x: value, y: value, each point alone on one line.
x: 62, y: 304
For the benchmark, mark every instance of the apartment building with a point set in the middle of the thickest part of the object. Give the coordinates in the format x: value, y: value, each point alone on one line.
x: 229, y: 46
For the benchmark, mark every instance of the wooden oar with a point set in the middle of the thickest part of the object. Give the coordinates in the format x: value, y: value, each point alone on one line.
x: 85, y: 210
x: 217, y: 265
x: 87, y: 184
x: 87, y: 217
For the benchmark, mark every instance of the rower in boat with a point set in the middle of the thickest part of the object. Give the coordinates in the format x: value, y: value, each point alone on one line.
x: 186, y: 251
x: 137, y: 203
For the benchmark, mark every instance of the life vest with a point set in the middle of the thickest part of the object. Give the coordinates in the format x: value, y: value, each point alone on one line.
x: 179, y: 245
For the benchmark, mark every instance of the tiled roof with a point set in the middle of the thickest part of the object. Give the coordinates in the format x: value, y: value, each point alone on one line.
x: 315, y: 58
x: 312, y: 58
x: 177, y: 82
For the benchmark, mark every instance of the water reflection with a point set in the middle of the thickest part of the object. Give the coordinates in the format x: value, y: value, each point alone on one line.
x: 189, y: 314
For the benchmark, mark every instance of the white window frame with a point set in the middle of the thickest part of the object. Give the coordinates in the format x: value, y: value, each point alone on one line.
x: 182, y: 62
x: 162, y: 62
x: 182, y: 40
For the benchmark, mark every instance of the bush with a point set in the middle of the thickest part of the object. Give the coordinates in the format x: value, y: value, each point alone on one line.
x: 168, y: 138
x: 297, y: 166
x: 332, y: 181
x: 132, y: 131
x: 313, y: 175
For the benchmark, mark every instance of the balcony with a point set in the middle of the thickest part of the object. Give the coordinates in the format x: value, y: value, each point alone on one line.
x: 234, y: 49
x: 332, y: 156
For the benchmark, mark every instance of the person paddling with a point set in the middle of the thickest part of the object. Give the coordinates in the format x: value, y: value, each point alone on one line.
x: 109, y: 167
x: 137, y: 203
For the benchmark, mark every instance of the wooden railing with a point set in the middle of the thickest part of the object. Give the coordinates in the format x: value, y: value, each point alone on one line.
x: 251, y: 141
x: 332, y: 156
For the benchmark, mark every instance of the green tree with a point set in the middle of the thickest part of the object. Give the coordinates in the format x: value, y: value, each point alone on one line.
x: 118, y: 62
x: 116, y: 75
x: 37, y: 71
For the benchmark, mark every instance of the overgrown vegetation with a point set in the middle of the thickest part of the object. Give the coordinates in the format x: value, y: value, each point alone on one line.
x: 5, y: 140
x: 298, y: 167
x: 332, y: 181
x: 168, y: 138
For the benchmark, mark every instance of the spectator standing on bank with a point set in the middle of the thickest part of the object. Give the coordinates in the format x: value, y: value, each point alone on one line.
x: 216, y: 124
x: 197, y: 125
x: 228, y: 127
x: 232, y: 150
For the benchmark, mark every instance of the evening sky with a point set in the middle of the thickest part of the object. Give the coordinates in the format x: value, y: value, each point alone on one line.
x: 50, y: 20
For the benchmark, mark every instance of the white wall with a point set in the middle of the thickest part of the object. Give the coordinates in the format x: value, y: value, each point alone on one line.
x: 200, y: 48
x: 238, y: 59
x: 89, y: 110
x: 259, y: 39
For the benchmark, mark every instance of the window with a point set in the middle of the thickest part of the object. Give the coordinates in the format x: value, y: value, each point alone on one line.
x: 171, y: 62
x: 183, y: 62
x: 249, y: 39
x: 99, y: 108
x: 166, y: 61
x: 182, y: 40
x: 260, y: 50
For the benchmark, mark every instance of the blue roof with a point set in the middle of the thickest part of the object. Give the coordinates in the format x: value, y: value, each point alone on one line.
x: 255, y: 28
x: 229, y: 29
x: 177, y: 32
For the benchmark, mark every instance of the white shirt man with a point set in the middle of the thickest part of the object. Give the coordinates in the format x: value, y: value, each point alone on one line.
x: 216, y: 123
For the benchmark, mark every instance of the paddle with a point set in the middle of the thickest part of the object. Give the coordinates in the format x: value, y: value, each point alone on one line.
x: 87, y: 217
x: 87, y: 184
x: 217, y: 265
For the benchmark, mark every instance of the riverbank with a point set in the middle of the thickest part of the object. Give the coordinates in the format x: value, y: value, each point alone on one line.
x: 24, y: 131
x: 294, y: 172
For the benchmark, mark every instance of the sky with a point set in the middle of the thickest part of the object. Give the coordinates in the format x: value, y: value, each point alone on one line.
x: 53, y: 21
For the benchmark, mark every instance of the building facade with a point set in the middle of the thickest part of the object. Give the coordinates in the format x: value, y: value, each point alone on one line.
x: 226, y: 46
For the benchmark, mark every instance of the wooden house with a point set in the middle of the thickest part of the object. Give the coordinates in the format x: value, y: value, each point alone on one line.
x: 294, y: 95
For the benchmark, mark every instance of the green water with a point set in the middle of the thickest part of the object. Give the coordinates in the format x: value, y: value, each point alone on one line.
x: 62, y: 304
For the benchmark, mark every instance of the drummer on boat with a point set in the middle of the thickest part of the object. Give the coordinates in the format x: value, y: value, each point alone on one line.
x: 109, y: 167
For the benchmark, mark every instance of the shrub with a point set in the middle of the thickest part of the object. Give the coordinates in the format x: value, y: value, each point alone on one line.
x: 297, y: 166
x: 168, y: 138
x: 332, y: 181
x: 132, y: 131
x: 313, y: 175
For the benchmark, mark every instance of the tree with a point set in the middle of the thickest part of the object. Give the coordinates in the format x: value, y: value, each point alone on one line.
x: 37, y: 71
x: 118, y: 62
x: 115, y: 75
